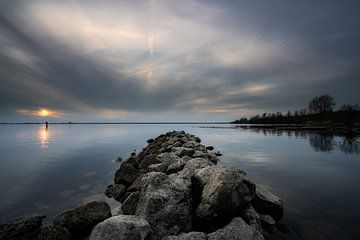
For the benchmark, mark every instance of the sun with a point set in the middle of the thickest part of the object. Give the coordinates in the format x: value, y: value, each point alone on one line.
x: 43, y: 113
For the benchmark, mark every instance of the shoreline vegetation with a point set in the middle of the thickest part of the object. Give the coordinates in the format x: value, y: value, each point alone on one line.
x: 320, y: 115
x: 172, y: 189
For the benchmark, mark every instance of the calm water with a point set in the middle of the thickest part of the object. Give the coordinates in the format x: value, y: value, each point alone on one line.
x: 318, y: 176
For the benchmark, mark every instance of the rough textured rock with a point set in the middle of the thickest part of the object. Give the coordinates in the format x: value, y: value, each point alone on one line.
x: 54, y: 232
x: 148, y: 160
x: 182, y: 151
x: 187, y: 236
x: 237, y: 229
x: 122, y: 227
x: 174, y: 183
x: 21, y: 229
x: 167, y: 209
x: 116, y: 191
x: 129, y: 205
x: 251, y: 217
x: 126, y: 174
x: 267, y: 203
x: 80, y: 221
x: 226, y: 190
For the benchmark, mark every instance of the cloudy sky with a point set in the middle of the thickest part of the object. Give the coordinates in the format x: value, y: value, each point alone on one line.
x: 163, y: 60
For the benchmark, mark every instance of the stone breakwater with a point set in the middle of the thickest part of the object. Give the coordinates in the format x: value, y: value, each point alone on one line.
x: 172, y: 190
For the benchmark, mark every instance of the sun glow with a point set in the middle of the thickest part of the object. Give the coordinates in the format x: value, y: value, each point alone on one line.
x: 42, y: 112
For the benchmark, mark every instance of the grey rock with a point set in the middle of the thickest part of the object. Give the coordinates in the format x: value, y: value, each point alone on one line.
x: 122, y: 227
x: 21, y: 229
x: 212, y: 157
x: 197, y: 163
x: 164, y: 204
x: 126, y: 174
x: 148, y: 160
x: 81, y: 220
x: 158, y: 167
x: 251, y: 217
x: 129, y: 205
x: 198, y: 154
x: 54, y: 232
x: 267, y: 203
x: 182, y: 151
x: 237, y: 229
x: 226, y: 190
x: 187, y: 236
x: 210, y: 148
x: 176, y: 166
x: 116, y: 191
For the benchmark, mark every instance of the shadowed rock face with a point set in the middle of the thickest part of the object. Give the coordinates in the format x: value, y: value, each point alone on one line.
x: 226, y: 191
x: 22, y: 229
x: 80, y: 221
x: 175, y: 186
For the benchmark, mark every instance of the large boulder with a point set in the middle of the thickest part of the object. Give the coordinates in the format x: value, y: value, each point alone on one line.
x: 122, y: 227
x: 21, y: 229
x: 267, y: 203
x: 80, y: 221
x: 237, y: 229
x: 164, y: 204
x: 226, y: 190
x: 54, y: 232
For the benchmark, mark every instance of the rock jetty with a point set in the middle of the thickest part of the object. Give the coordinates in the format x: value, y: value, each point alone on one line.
x: 172, y: 190
x: 176, y: 191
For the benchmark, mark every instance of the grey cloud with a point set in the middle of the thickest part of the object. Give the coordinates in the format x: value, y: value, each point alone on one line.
x: 300, y: 49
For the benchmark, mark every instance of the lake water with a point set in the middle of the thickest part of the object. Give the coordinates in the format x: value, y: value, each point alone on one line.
x: 317, y: 176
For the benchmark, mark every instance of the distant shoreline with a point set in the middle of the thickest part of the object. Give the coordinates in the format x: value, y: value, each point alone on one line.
x: 124, y: 123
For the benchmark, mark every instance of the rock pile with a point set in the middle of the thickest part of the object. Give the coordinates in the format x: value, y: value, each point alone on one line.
x: 175, y: 186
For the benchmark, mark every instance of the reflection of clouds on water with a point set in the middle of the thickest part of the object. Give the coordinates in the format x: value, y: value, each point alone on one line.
x: 90, y: 174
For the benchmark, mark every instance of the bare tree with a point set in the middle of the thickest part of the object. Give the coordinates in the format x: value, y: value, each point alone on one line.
x: 350, y: 107
x: 324, y: 103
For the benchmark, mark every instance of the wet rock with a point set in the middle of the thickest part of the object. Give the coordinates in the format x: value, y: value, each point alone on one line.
x: 119, y: 160
x: 129, y: 205
x: 126, y: 174
x: 163, y: 205
x: 210, y: 148
x: 80, y: 221
x: 54, y: 232
x: 150, y: 140
x: 267, y: 203
x: 116, y: 191
x: 226, y: 190
x: 21, y: 229
x: 122, y: 227
x: 235, y: 230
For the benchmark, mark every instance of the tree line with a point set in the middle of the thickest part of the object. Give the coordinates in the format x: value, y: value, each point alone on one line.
x: 320, y: 108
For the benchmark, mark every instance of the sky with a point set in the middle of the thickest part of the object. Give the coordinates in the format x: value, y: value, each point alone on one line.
x: 169, y: 60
